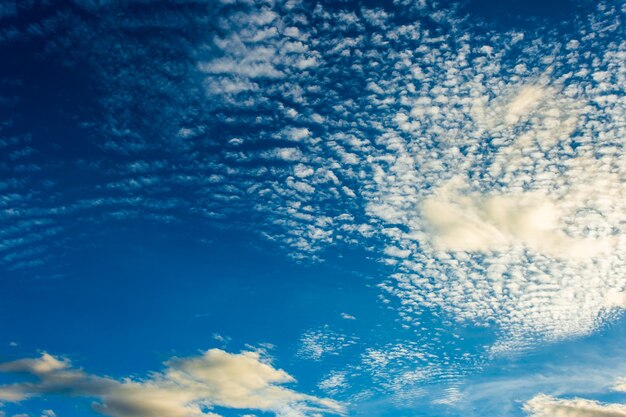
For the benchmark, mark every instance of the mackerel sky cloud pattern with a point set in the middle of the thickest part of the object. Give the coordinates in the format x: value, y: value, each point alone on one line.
x: 482, y: 167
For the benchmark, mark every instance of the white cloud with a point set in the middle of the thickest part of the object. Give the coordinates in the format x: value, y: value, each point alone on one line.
x: 493, y: 223
x: 543, y: 405
x: 532, y: 239
x: 315, y: 344
x: 187, y: 387
x: 503, y: 176
x: 526, y: 98
x: 334, y: 383
x: 397, y: 252
x: 297, y: 134
x: 286, y: 154
x: 43, y: 365
x: 616, y: 298
x: 620, y: 385
x: 547, y: 406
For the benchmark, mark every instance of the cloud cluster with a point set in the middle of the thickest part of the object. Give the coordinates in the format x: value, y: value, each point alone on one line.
x: 187, y: 387
x: 318, y: 343
x: 484, y: 167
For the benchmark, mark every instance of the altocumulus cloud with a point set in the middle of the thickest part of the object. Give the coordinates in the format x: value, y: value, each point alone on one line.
x: 484, y: 167
x: 188, y: 387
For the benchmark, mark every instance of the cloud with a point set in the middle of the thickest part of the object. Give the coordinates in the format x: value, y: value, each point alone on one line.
x: 531, y: 241
x: 543, y: 405
x: 45, y: 364
x: 493, y: 223
x: 616, y: 299
x: 396, y: 252
x: 547, y: 406
x: 504, y: 190
x: 334, y: 382
x: 315, y: 344
x: 620, y: 385
x: 187, y: 387
x: 525, y: 99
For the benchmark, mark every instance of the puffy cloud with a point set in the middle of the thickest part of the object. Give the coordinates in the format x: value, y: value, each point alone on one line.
x: 547, y: 406
x: 188, y: 387
x: 396, y: 252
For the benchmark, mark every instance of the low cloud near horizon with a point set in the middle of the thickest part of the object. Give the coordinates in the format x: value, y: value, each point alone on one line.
x: 547, y: 406
x: 188, y: 387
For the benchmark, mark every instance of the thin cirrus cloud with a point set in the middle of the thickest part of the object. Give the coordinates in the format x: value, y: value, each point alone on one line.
x: 187, y: 387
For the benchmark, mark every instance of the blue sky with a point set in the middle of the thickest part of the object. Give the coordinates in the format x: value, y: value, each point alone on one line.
x: 312, y: 208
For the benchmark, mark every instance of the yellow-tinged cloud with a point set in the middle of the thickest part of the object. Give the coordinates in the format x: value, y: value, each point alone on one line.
x: 491, y: 223
x: 547, y: 406
x: 188, y: 387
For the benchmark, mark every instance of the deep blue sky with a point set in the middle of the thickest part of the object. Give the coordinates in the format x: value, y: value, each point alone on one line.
x: 406, y: 208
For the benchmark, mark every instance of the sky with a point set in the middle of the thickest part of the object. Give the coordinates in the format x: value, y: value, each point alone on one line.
x: 312, y: 208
